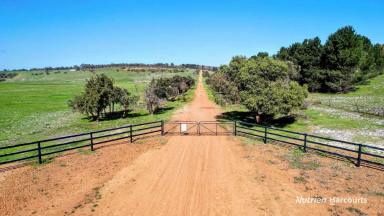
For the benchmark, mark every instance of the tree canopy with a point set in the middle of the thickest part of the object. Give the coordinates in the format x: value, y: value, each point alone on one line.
x: 262, y: 84
x: 99, y: 94
x: 162, y: 89
x: 345, y: 60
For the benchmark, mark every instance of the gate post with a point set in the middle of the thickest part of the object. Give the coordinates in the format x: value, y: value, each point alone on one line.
x: 216, y: 128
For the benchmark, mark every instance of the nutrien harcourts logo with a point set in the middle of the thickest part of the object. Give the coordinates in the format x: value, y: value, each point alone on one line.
x: 331, y: 200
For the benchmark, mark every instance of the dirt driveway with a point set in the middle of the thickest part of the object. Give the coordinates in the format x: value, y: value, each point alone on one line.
x: 194, y: 175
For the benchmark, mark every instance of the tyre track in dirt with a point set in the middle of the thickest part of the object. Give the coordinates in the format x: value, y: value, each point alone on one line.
x: 198, y: 175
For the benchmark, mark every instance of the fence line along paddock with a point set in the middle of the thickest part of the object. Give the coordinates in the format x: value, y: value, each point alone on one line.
x: 356, y: 152
x: 39, y: 149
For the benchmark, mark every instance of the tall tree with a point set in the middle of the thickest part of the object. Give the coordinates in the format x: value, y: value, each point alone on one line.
x: 99, y: 93
x: 306, y: 54
x: 346, y: 59
x: 263, y: 84
x: 343, y: 50
x: 153, y: 102
x: 125, y: 99
x: 267, y: 91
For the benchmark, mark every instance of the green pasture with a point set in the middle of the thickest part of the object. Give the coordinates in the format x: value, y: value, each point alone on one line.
x: 35, y: 107
x: 368, y: 98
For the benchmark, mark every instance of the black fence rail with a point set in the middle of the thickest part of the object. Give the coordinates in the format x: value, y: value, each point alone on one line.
x: 39, y: 149
x: 355, y: 152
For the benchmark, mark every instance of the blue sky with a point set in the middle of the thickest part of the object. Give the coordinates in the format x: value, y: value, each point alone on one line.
x: 36, y: 33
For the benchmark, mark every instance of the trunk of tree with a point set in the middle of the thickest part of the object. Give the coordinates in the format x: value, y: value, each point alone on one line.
x: 125, y: 111
x: 258, y: 119
x: 98, y: 116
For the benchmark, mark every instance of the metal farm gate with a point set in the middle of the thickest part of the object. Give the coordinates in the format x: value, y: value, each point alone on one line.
x: 199, y: 128
x: 181, y: 128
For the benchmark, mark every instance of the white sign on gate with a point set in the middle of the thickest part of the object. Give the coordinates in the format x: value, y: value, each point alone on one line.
x: 183, y: 128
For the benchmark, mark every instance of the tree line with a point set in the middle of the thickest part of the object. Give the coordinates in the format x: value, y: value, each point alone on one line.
x: 100, y: 96
x: 277, y: 86
x: 166, y: 89
x: 121, y: 65
x: 344, y: 60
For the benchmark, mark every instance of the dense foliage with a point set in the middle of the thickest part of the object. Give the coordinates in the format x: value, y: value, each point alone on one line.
x: 262, y: 84
x: 5, y: 76
x: 163, y: 89
x: 345, y: 60
x: 100, y: 94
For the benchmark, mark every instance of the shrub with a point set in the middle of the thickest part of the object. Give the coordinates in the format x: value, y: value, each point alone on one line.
x: 153, y: 102
x: 5, y: 76
x: 206, y: 74
x: 226, y: 90
x: 166, y: 89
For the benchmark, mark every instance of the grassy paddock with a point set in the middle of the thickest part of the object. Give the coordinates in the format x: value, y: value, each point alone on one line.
x: 367, y: 99
x: 34, y: 107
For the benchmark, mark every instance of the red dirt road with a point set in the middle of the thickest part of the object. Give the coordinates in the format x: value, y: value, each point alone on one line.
x: 193, y: 175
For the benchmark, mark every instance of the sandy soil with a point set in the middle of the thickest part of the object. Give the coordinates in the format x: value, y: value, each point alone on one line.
x: 68, y: 182
x: 189, y: 175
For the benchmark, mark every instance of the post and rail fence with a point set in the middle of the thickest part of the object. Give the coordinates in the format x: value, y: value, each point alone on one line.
x: 355, y: 152
x: 39, y: 149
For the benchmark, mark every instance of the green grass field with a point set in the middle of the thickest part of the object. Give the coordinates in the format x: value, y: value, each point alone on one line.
x: 368, y: 98
x: 35, y: 107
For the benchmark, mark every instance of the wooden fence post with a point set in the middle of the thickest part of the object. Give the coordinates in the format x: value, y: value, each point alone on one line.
x: 235, y: 128
x: 39, y: 153
x: 305, y: 143
x: 265, y: 134
x: 162, y: 127
x: 359, y: 156
x: 91, y: 135
x: 130, y: 133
